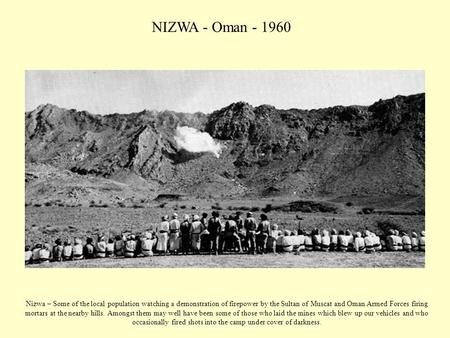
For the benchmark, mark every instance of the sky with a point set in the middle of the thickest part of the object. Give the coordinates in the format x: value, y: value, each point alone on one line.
x: 120, y: 91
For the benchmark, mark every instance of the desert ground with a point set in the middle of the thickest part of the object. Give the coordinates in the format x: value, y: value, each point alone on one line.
x: 286, y: 260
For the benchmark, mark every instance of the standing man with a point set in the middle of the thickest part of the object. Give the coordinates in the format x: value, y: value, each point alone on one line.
x: 204, y: 240
x: 250, y: 227
x: 174, y: 229
x: 162, y: 235
x: 242, y: 233
x: 196, y: 230
x: 231, y: 237
x: 185, y: 230
x: 214, y: 229
x: 262, y: 234
x: 272, y: 239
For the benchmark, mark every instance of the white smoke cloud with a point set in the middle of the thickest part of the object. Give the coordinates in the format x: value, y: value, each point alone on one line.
x: 196, y: 141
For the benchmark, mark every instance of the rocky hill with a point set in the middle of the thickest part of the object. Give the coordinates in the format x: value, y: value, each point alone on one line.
x: 76, y: 157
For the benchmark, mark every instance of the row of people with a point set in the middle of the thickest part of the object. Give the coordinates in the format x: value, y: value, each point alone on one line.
x: 213, y: 235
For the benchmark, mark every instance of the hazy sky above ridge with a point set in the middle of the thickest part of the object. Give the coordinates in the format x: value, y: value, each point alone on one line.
x: 106, y: 92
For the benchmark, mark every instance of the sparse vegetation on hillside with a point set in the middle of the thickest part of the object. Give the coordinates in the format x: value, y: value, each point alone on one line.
x: 363, y: 151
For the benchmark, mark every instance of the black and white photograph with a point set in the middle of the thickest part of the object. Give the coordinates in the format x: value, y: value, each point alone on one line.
x: 224, y: 168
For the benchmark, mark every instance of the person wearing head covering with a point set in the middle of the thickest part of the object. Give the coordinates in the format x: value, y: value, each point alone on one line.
x: 185, y: 232
x: 197, y: 230
x: 119, y: 246
x: 414, y: 242
x: 358, y: 243
x: 350, y: 238
x: 368, y: 243
x: 295, y: 240
x: 334, y: 240
x: 301, y: 241
x: 406, y: 241
x: 376, y: 240
x: 35, y: 253
x: 271, y: 245
x: 67, y: 250
x: 317, y: 240
x: 147, y: 244
x: 242, y: 233
x: 57, y: 250
x: 214, y: 230
x: 308, y: 241
x: 28, y: 255
x: 272, y: 239
x: 342, y: 241
x: 285, y: 242
x: 162, y: 233
x: 204, y: 219
x: 223, y: 241
x: 383, y: 242
x: 222, y: 233
x: 279, y: 242
x: 398, y: 241
x: 262, y: 233
x: 204, y: 239
x: 231, y: 238
x: 89, y: 249
x: 138, y: 250
x: 77, y: 249
x: 391, y: 241
x: 130, y: 246
x: 45, y: 253
x: 110, y: 247
x: 250, y: 227
x: 422, y: 241
x: 101, y: 247
x: 174, y: 230
x: 326, y: 240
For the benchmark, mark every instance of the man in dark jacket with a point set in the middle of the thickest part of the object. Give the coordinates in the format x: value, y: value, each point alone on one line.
x: 214, y: 229
x: 185, y: 230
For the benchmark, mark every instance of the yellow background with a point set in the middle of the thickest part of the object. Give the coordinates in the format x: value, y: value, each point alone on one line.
x: 325, y: 35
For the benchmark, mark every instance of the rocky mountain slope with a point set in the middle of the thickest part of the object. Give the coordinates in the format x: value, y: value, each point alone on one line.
x: 78, y: 157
